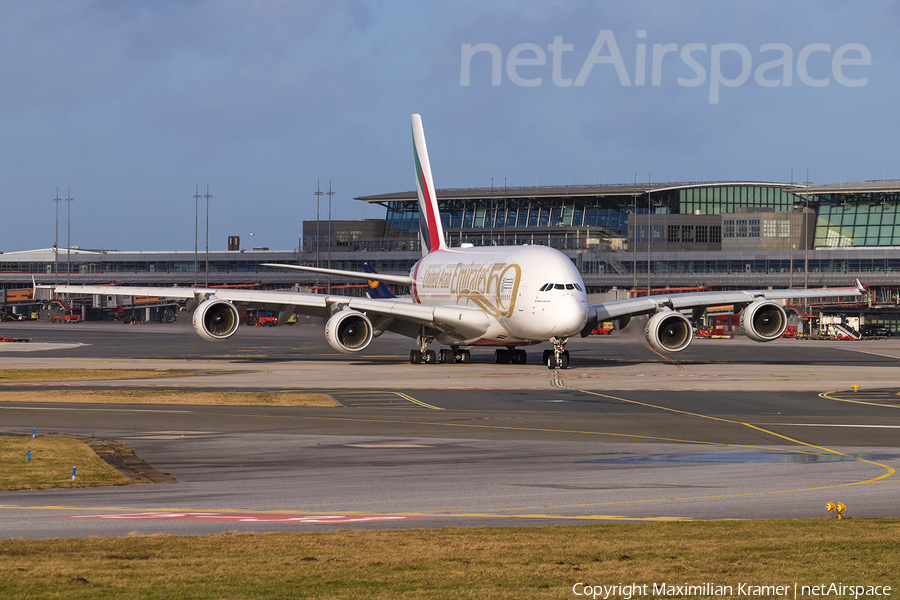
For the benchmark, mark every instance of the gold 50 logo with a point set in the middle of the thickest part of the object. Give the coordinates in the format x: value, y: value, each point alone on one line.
x: 492, y: 287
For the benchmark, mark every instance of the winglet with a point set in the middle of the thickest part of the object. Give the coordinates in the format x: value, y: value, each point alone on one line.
x: 859, y: 286
x: 430, y: 229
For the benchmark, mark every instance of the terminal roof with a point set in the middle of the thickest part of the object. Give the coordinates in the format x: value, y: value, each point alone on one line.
x: 556, y: 191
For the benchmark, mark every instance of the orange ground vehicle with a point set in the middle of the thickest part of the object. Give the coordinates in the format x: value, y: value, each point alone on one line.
x: 72, y: 317
x: 604, y: 328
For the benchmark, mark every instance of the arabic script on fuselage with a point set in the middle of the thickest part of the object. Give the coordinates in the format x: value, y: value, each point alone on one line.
x: 490, y: 286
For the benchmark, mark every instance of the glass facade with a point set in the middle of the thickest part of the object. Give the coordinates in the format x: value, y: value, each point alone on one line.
x: 850, y: 216
x: 113, y: 265
x: 733, y: 265
x: 721, y: 199
x: 740, y: 228
x: 498, y: 212
x: 858, y: 220
x: 609, y: 212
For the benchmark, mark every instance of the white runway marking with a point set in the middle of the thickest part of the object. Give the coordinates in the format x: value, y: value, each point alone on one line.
x: 92, y: 409
x: 248, y: 517
x: 35, y: 347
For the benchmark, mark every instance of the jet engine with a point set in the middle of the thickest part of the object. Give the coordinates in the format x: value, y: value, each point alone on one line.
x: 216, y: 319
x: 349, y: 331
x: 669, y: 331
x: 763, y: 321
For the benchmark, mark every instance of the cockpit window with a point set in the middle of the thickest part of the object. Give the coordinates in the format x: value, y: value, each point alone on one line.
x: 560, y: 286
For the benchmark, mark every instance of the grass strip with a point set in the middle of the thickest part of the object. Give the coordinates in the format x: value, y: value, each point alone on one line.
x: 52, y: 459
x: 180, y: 397
x: 29, y: 375
x: 482, y: 563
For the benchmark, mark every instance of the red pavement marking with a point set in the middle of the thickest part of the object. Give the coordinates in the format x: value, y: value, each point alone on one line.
x: 244, y: 517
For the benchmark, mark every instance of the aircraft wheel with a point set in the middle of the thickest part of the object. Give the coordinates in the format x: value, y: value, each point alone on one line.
x: 429, y: 357
x: 522, y: 357
x: 547, y: 354
x: 501, y: 356
x: 415, y: 357
x: 564, y: 361
x: 446, y: 356
x: 466, y: 357
x: 551, y: 361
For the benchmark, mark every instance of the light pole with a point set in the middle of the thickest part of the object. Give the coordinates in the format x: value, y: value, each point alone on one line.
x: 649, y: 231
x: 632, y: 246
x: 251, y: 241
x: 805, y: 247
x: 196, y: 228
x: 791, y: 226
x: 805, y: 235
x: 208, y: 196
x: 330, y: 243
x: 492, y: 215
x: 505, y: 211
x: 69, y: 201
x: 318, y: 195
x: 57, y: 200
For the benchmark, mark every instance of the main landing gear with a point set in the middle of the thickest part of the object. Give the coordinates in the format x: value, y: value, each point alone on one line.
x: 444, y: 356
x: 454, y: 355
x: 558, y: 357
x: 506, y: 356
x: 430, y: 357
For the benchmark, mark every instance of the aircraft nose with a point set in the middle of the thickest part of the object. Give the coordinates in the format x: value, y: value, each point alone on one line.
x: 569, y: 316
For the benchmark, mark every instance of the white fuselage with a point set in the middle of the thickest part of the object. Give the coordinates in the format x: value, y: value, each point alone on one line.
x: 529, y: 293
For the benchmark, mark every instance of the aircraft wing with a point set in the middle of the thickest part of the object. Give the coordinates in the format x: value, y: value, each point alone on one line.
x: 649, y: 304
x: 401, y: 279
x: 398, y: 315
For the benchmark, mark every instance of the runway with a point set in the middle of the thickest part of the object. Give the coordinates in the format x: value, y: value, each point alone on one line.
x: 732, y: 429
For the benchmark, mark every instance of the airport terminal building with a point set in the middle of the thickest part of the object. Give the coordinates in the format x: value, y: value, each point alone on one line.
x: 744, y: 234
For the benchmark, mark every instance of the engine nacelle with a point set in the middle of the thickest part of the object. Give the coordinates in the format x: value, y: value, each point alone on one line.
x: 763, y: 321
x: 349, y: 331
x: 215, y: 319
x: 669, y: 331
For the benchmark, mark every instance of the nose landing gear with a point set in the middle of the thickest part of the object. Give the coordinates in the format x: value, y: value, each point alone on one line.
x: 558, y: 357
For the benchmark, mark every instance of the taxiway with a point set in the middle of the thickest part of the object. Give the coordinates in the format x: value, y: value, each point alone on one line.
x: 726, y: 429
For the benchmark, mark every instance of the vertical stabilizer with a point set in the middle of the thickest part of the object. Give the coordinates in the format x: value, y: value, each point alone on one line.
x: 430, y: 230
x: 377, y: 288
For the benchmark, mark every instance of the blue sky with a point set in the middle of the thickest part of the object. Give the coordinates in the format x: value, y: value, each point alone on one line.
x: 133, y: 103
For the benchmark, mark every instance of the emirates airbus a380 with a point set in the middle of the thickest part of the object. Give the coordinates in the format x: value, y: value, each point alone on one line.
x: 501, y: 296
